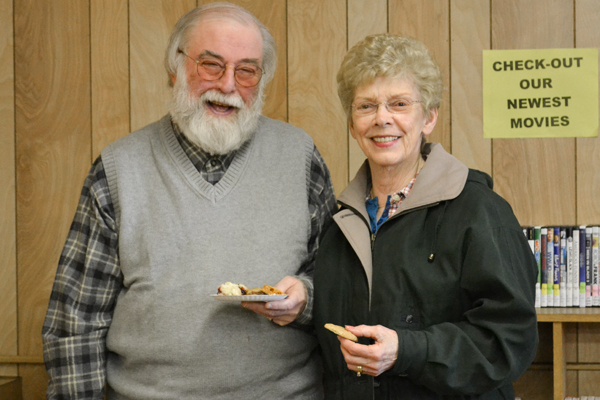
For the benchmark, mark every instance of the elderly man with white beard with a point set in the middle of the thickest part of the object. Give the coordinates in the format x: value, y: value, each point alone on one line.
x: 212, y: 192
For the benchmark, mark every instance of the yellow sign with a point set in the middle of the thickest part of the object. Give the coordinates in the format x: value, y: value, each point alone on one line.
x: 540, y: 93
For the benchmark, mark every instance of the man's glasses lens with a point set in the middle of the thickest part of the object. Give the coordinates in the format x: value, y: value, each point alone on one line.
x: 247, y: 75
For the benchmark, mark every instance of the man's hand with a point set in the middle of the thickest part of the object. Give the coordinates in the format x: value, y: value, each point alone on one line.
x: 282, y: 312
x: 374, y: 359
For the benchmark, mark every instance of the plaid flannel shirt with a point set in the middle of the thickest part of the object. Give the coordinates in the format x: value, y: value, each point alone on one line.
x: 89, y: 279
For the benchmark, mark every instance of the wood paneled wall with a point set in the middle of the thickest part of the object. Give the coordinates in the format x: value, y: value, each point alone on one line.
x: 8, y: 262
x: 76, y: 75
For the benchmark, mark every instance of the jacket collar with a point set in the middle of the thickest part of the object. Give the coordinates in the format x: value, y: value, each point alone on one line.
x: 442, y: 178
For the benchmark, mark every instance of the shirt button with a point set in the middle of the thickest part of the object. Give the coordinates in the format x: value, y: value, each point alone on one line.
x: 395, y: 197
x: 213, y: 162
x: 409, y: 319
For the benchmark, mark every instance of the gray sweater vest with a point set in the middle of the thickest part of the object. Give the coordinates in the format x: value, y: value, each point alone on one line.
x: 179, y: 239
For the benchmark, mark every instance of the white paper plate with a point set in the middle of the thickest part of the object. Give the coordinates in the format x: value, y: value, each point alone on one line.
x: 252, y: 297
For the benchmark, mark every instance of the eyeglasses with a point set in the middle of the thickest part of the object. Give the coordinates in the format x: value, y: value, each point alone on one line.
x: 211, y: 69
x: 394, y: 106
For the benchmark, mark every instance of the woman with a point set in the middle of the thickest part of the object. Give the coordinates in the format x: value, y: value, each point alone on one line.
x: 425, y: 264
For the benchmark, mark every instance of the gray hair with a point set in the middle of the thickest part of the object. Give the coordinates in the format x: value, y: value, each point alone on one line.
x: 180, y: 36
x: 392, y: 56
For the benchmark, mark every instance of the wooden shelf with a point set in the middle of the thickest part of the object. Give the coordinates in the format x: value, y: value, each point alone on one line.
x: 21, y: 359
x: 558, y: 317
x: 589, y: 314
x: 10, y: 388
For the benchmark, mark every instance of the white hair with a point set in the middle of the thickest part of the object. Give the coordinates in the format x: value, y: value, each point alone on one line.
x: 180, y: 36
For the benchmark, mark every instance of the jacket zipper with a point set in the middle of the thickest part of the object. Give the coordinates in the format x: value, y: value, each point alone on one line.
x: 374, y: 235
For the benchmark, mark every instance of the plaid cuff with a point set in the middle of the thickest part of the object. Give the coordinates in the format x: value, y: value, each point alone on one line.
x: 305, y: 318
x: 76, y: 366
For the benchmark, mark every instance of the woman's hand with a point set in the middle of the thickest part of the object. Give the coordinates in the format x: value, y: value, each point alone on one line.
x: 283, y: 312
x: 376, y: 358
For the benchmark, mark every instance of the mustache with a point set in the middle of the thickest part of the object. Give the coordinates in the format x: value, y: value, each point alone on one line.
x: 231, y: 100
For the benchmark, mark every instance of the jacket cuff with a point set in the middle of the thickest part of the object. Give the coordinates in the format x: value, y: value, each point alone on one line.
x: 412, y: 353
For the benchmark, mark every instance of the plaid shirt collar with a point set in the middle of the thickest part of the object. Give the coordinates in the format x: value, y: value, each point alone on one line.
x: 397, y: 198
x: 211, y: 167
x: 391, y: 205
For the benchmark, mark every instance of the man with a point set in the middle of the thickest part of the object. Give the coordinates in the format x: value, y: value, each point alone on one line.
x: 213, y: 192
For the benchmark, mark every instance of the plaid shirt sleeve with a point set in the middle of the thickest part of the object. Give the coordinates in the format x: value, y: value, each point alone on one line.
x: 87, y: 283
x: 321, y: 206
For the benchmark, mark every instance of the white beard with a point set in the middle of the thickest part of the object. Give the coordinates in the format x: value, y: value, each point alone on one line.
x: 215, y: 135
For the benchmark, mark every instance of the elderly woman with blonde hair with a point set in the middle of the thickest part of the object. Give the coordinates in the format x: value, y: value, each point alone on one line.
x: 425, y: 264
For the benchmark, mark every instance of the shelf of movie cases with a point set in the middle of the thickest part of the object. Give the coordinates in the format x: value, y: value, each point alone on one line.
x: 558, y: 317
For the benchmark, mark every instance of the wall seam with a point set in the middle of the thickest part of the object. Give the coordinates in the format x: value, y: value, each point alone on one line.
x: 91, y: 83
x: 129, y: 61
x: 15, y: 227
x: 491, y: 46
x: 287, y: 62
x: 348, y: 177
x: 450, y: 75
x: 575, y: 139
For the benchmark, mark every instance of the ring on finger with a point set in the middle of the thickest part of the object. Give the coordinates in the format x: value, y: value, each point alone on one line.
x: 359, y: 371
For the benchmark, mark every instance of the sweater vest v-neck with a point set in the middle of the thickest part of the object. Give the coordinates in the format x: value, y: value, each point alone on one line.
x: 181, y: 237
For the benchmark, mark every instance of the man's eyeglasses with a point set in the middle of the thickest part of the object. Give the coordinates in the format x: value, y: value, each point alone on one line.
x: 394, y: 106
x: 212, y: 69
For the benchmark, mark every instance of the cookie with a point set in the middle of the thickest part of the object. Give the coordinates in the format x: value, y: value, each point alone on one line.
x: 255, y: 291
x: 341, y: 331
x: 268, y: 289
x: 265, y: 290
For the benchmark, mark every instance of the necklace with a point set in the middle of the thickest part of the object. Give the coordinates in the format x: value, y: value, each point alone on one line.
x: 420, y: 164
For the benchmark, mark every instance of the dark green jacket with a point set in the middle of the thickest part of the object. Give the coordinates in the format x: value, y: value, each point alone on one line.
x: 451, y: 273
